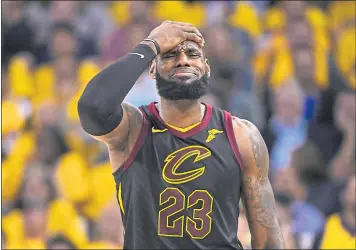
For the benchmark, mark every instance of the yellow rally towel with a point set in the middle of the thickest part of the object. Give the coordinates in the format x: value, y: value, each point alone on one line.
x: 13, y: 167
x: 21, y: 78
x: 245, y: 11
x: 102, y: 189
x: 336, y: 236
x: 62, y: 219
x: 181, y: 11
x: 72, y: 177
x: 11, y: 118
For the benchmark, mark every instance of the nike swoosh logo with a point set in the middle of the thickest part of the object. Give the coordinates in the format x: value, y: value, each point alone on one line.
x: 142, y: 56
x: 158, y: 130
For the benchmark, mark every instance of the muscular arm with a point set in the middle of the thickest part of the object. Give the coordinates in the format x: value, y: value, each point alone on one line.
x: 101, y: 110
x: 257, y: 193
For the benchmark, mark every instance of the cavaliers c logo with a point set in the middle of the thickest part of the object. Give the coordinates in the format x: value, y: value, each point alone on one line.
x: 175, y: 159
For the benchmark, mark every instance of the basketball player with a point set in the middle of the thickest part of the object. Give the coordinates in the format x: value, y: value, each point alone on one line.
x: 180, y: 165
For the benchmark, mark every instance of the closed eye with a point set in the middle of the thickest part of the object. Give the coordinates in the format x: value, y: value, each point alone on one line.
x: 195, y: 55
x: 169, y: 55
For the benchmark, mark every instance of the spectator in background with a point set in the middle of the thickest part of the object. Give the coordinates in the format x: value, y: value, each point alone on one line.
x: 340, y: 229
x: 30, y: 230
x: 16, y: 34
x: 64, y: 45
x: 63, y: 40
x: 38, y: 197
x: 35, y: 223
x: 333, y: 131
x: 137, y: 26
x: 69, y: 12
x: 294, y: 10
x: 286, y: 130
x: 223, y: 60
x: 314, y: 180
x: 35, y: 186
x: 94, y: 21
x: 216, y: 10
x: 61, y: 69
x: 343, y: 163
x: 307, y: 220
x: 299, y: 34
x: 50, y: 141
x: 62, y: 12
x: 283, y: 203
x: 17, y: 150
x: 109, y: 229
x: 304, y: 63
x: 121, y: 40
x: 230, y: 80
x: 59, y: 242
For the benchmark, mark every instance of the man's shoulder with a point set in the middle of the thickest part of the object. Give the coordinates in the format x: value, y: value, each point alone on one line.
x: 248, y: 139
x: 243, y: 126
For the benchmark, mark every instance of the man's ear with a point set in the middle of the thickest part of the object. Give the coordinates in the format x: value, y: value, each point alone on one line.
x: 152, y: 69
x: 207, y: 65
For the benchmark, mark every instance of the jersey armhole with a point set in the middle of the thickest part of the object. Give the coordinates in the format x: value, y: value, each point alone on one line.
x: 137, y: 146
x: 231, y: 136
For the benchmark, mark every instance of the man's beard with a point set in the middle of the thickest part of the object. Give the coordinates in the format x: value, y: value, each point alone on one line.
x: 174, y: 90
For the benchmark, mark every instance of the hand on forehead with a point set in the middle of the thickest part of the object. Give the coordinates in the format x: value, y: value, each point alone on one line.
x: 186, y: 45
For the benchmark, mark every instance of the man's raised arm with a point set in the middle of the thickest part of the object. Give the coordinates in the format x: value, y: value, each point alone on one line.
x: 100, y: 106
x: 257, y: 194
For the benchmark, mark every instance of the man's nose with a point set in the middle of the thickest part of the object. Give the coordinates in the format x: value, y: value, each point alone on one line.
x: 182, y: 60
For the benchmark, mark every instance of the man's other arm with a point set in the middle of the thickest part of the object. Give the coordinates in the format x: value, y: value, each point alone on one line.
x: 257, y: 193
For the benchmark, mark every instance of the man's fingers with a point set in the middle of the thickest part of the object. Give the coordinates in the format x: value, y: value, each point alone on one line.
x: 194, y: 37
x: 190, y: 29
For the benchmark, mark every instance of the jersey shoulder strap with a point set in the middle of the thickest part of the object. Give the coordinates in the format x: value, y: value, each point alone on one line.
x: 150, y: 117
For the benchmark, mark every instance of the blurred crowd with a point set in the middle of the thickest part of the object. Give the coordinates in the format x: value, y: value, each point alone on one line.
x: 287, y: 66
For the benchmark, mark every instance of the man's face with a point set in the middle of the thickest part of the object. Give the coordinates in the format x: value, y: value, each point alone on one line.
x: 288, y: 104
x: 63, y: 44
x: 299, y: 33
x: 181, y: 73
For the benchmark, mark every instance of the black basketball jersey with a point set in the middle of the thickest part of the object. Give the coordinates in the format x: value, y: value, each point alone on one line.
x: 181, y: 189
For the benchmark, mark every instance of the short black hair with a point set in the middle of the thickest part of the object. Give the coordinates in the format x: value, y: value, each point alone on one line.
x: 63, y: 26
x: 59, y: 239
x: 309, y: 163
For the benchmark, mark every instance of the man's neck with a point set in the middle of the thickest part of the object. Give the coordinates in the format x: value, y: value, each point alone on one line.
x: 181, y: 113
